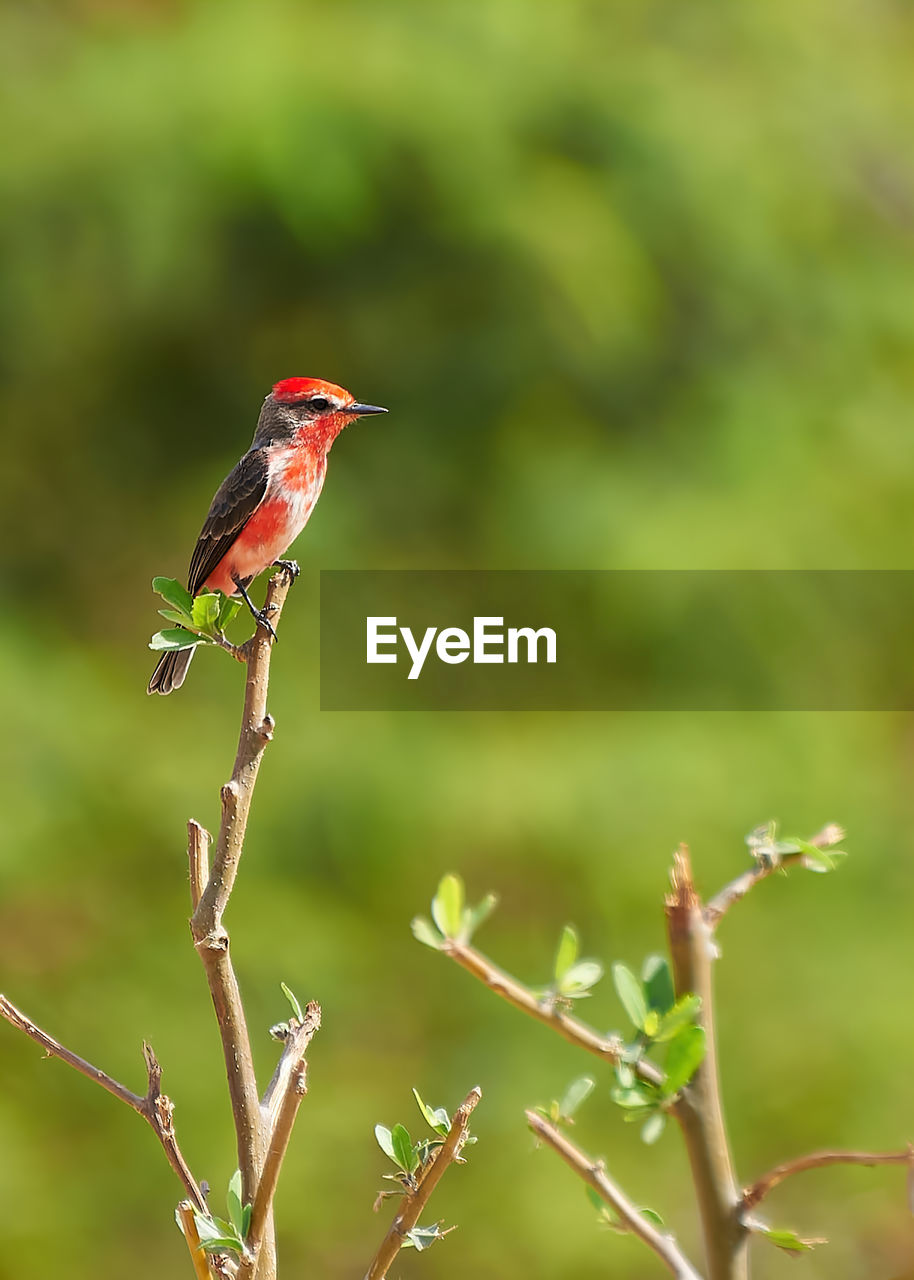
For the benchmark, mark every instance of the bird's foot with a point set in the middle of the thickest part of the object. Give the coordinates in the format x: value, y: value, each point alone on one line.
x: 260, y: 616
x: 288, y: 566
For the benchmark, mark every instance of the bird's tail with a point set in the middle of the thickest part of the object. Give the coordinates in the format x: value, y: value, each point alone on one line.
x: 170, y: 671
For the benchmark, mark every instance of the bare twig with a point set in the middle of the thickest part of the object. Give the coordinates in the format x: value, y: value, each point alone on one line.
x: 699, y: 1109
x: 198, y: 843
x: 609, y: 1048
x: 185, y: 1212
x: 154, y: 1106
x: 738, y: 888
x: 288, y: 1087
x: 415, y: 1201
x: 593, y: 1172
x: 209, y: 933
x: 819, y: 1160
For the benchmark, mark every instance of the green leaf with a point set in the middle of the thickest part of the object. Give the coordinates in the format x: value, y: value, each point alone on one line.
x: 653, y: 1127
x: 580, y: 978
x: 425, y: 932
x: 221, y: 1244
x: 594, y: 1197
x: 639, y: 1095
x: 228, y: 608
x: 683, y: 1012
x: 174, y: 638
x: 577, y: 1092
x: 423, y: 1237
x: 657, y: 982
x: 567, y: 952
x: 293, y: 1001
x: 651, y: 1023
x: 385, y: 1141
x: 436, y: 1118
x: 246, y: 1220
x: 174, y: 594
x: 206, y: 613
x: 175, y: 615
x: 683, y: 1058
x: 652, y: 1216
x: 233, y: 1200
x: 447, y: 906
x: 473, y: 917
x: 402, y: 1145
x: 631, y: 994
x: 820, y: 860
x: 788, y: 1240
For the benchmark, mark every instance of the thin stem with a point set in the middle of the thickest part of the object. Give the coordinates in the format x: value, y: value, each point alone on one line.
x: 415, y: 1201
x: 288, y: 1089
x: 699, y: 1109
x: 210, y: 936
x: 819, y: 1160
x: 609, y: 1048
x: 155, y: 1108
x: 738, y: 888
x: 593, y: 1172
x: 185, y: 1212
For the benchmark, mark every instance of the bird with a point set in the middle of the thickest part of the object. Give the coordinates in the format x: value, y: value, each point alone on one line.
x: 264, y: 502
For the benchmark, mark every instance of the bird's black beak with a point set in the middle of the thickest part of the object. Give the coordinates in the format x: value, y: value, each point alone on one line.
x: 361, y: 409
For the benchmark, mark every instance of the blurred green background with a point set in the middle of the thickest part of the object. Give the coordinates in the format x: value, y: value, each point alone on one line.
x: 635, y: 281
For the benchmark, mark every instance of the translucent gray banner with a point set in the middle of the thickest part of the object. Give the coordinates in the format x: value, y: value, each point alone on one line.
x: 829, y: 640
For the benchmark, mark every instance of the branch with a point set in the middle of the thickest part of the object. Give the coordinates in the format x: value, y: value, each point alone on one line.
x: 210, y: 936
x: 287, y: 1088
x: 155, y: 1108
x: 819, y: 1160
x: 415, y: 1201
x: 699, y: 1110
x: 185, y: 1215
x: 593, y: 1172
x: 609, y: 1048
x: 738, y: 888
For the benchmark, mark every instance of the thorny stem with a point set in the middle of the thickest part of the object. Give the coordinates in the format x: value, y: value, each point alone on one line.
x: 210, y: 936
x: 593, y: 1172
x: 415, y: 1201
x: 154, y: 1106
x: 609, y: 1048
x: 700, y: 1112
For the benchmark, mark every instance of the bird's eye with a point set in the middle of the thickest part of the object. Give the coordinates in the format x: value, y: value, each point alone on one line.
x: 320, y: 404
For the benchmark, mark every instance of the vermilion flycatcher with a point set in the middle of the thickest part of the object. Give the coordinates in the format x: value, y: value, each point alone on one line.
x: 264, y: 503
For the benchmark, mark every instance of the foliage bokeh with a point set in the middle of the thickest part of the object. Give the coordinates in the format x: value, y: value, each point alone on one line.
x: 635, y: 282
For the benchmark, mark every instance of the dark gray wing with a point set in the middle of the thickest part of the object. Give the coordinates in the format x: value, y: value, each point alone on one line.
x: 238, y: 497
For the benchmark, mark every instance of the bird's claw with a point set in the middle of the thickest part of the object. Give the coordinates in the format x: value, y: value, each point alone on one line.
x: 264, y: 621
x: 288, y: 566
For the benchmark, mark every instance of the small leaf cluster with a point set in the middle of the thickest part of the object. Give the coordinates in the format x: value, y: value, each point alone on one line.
x: 218, y: 1235
x: 658, y: 1019
x: 572, y: 978
x: 561, y: 1111
x: 282, y: 1030
x: 199, y: 619
x: 770, y: 851
x: 607, y: 1216
x: 411, y: 1157
x: 453, y: 920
